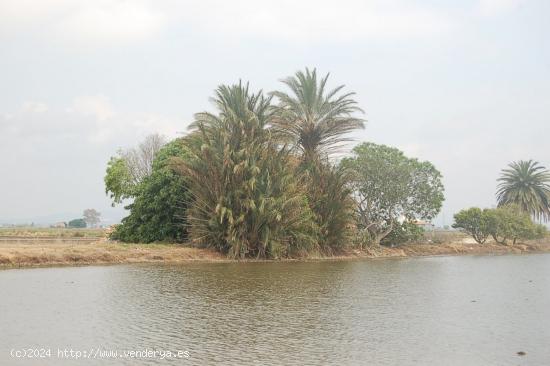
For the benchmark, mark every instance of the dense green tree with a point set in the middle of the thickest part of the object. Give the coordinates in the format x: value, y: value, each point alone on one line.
x: 246, y: 200
x: 157, y: 212
x: 473, y: 221
x: 527, y: 185
x: 389, y: 187
x: 77, y: 223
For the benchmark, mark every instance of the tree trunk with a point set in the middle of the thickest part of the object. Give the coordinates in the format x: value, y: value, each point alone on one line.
x: 378, y: 237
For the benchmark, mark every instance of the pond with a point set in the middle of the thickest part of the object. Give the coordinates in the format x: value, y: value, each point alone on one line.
x: 471, y: 310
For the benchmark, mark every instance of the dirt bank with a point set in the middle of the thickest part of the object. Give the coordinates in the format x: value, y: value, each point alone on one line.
x: 44, y: 253
x: 41, y: 253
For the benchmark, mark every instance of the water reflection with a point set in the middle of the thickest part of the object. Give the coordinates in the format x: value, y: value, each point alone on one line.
x: 433, y: 311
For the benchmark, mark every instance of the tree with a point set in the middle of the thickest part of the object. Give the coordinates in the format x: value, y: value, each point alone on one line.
x: 140, y: 159
x: 158, y: 210
x: 474, y: 222
x: 118, y: 181
x: 312, y: 119
x: 92, y: 217
x: 77, y: 223
x: 316, y: 122
x: 389, y: 187
x: 527, y: 185
x: 128, y: 169
x: 245, y: 201
x: 511, y: 223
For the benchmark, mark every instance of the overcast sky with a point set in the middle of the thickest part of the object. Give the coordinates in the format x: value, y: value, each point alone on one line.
x: 464, y: 84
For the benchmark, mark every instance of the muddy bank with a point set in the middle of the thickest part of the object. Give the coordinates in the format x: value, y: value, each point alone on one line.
x: 44, y: 253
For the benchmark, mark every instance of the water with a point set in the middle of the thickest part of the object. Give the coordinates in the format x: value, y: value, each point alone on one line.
x: 431, y: 311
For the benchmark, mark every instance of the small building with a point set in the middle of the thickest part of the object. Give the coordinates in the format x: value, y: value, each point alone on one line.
x: 60, y: 225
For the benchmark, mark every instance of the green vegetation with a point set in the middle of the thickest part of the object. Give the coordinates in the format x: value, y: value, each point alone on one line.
x: 77, y: 223
x: 474, y: 222
x: 257, y: 178
x: 129, y: 168
x: 118, y: 181
x: 502, y: 224
x: 315, y: 122
x: 390, y: 188
x: 403, y: 233
x: 527, y: 185
x: 246, y: 200
x: 158, y: 210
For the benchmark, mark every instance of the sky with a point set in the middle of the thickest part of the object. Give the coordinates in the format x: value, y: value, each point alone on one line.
x: 463, y: 84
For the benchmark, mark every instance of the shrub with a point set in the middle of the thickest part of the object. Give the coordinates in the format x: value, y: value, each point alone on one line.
x: 403, y: 233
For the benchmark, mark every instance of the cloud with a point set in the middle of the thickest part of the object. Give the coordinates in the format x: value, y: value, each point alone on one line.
x: 112, y: 21
x: 497, y: 7
x: 316, y: 20
x: 97, y: 106
x: 108, y: 22
x: 98, y: 21
x: 87, y: 119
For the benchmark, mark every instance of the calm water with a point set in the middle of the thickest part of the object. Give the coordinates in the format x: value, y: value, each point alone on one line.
x: 432, y: 311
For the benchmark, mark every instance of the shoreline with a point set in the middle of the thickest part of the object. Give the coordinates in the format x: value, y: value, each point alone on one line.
x: 26, y: 253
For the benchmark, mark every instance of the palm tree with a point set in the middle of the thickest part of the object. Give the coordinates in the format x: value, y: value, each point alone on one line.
x: 245, y: 198
x: 315, y: 120
x: 526, y: 184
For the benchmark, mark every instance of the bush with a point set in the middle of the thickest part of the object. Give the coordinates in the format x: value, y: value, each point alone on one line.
x: 403, y: 233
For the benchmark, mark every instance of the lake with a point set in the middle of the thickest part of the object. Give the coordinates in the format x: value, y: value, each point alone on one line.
x: 422, y: 311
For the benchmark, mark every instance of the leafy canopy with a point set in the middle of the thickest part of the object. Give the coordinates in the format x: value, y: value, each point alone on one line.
x: 389, y: 187
x: 527, y: 185
x: 158, y: 210
x: 130, y: 167
x: 474, y: 222
x: 503, y: 223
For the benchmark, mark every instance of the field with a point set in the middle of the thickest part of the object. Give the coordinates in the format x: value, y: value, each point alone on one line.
x: 36, y: 232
